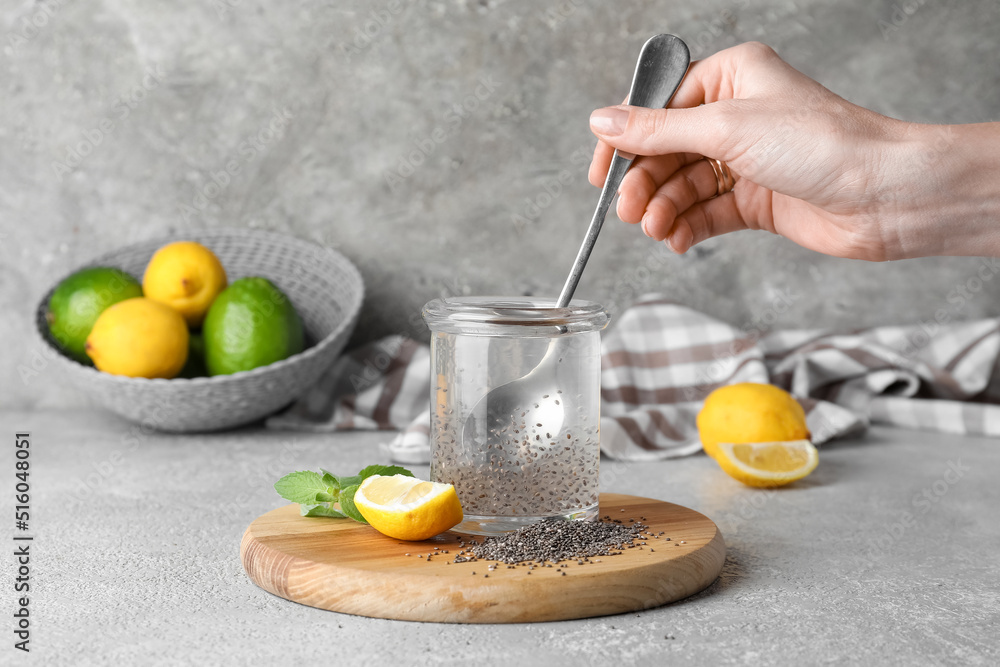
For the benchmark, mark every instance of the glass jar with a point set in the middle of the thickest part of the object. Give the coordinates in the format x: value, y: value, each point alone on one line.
x: 515, y: 408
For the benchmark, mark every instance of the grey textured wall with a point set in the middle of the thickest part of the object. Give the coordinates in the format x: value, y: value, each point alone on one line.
x: 168, y: 93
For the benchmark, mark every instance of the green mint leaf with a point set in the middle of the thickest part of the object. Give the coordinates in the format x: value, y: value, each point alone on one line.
x: 300, y: 487
x: 345, y: 482
x: 331, y: 481
x: 387, y: 471
x: 316, y: 493
x: 320, y: 510
x: 347, y: 505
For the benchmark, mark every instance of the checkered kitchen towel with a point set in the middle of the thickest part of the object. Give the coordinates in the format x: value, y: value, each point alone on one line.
x: 661, y: 359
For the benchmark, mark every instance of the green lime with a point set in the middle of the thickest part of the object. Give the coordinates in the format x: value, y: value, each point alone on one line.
x: 194, y: 367
x: 250, y: 324
x: 78, y: 300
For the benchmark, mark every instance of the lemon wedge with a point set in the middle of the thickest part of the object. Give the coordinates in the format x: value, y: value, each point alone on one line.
x: 768, y: 463
x: 407, y: 508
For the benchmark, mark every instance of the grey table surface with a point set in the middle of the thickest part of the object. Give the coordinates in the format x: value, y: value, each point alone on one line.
x: 888, y: 554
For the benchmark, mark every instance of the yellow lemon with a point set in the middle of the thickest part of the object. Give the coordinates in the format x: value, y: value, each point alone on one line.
x: 139, y: 338
x: 186, y: 276
x: 768, y: 463
x: 750, y: 412
x: 407, y: 508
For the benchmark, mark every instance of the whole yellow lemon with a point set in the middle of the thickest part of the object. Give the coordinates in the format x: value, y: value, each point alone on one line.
x: 186, y: 276
x: 749, y: 413
x: 139, y: 337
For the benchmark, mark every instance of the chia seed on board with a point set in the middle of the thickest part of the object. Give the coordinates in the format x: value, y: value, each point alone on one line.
x: 556, y: 540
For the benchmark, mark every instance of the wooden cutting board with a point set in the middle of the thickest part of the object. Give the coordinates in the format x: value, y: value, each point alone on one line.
x: 344, y: 566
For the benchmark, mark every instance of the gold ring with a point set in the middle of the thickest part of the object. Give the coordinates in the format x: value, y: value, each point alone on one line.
x: 723, y: 176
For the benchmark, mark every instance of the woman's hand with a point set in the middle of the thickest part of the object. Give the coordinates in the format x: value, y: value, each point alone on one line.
x: 830, y: 175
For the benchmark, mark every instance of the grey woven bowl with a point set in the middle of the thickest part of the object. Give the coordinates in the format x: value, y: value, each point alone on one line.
x: 323, y: 285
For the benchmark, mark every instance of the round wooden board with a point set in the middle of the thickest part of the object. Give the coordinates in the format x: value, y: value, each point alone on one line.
x: 344, y: 566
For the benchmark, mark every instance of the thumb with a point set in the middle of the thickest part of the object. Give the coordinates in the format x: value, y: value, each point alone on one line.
x: 645, y: 131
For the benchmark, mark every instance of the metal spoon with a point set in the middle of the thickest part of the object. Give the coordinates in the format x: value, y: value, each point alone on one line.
x: 663, y: 62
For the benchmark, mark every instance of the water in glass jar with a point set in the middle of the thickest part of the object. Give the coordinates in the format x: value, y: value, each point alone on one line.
x: 541, y: 460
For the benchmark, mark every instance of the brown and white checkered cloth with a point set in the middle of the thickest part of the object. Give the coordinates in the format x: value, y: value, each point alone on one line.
x: 661, y: 359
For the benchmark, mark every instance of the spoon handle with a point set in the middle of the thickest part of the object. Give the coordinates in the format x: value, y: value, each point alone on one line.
x: 662, y: 64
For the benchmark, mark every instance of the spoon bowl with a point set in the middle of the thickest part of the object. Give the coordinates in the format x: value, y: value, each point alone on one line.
x: 527, y: 407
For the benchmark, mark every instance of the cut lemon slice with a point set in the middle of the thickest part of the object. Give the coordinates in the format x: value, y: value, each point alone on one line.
x: 408, y: 508
x: 768, y: 463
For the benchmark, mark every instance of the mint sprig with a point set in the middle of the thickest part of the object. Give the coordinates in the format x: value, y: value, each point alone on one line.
x: 325, y: 494
x: 302, y: 487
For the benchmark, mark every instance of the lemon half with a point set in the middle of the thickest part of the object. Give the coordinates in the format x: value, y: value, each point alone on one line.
x: 407, y: 508
x: 768, y: 463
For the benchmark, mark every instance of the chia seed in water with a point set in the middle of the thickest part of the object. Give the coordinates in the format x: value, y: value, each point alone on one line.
x: 525, y: 466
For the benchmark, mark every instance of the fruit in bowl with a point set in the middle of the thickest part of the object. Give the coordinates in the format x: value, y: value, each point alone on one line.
x: 139, y: 338
x: 183, y: 321
x: 251, y: 324
x: 186, y: 276
x: 325, y: 288
x: 80, y: 299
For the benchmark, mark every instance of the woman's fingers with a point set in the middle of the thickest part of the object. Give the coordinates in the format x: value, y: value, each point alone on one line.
x: 644, y: 178
x: 600, y: 164
x: 717, y: 84
x: 706, y: 220
x: 705, y: 82
x: 702, y: 84
x: 648, y: 131
x: 701, y: 118
x: 689, y: 185
x: 662, y: 131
